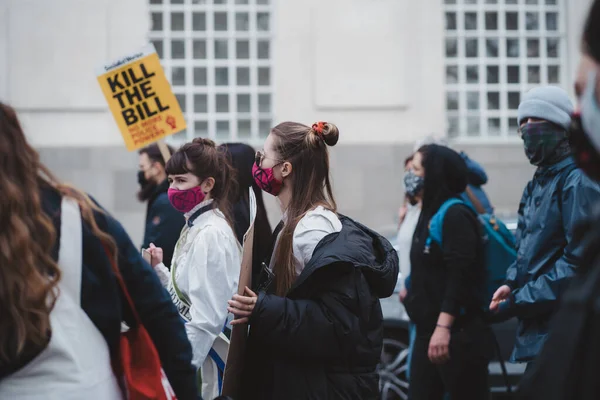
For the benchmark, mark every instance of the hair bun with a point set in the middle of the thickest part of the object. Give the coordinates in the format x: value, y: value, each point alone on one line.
x: 329, y: 133
x: 204, y: 142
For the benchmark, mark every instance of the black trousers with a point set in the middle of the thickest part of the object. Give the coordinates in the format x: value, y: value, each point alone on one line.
x: 465, y: 376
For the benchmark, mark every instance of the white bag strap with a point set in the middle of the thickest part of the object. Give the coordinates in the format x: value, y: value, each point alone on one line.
x: 70, y: 254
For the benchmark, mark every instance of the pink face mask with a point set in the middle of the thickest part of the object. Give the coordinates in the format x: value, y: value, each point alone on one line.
x: 185, y: 200
x: 265, y: 180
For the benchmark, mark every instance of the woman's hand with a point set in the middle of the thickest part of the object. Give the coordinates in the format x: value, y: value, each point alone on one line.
x: 501, y: 295
x: 439, y: 346
x: 156, y: 255
x: 242, y: 306
x: 403, y: 294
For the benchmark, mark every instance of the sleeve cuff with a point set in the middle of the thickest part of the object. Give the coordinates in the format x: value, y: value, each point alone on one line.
x: 163, y: 274
x: 257, y: 307
x: 450, y: 307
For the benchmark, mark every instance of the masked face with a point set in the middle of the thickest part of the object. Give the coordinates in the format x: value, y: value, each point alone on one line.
x: 146, y: 178
x: 585, y: 131
x: 413, y: 184
x: 147, y: 187
x: 544, y: 142
x: 185, y: 200
x: 265, y: 179
x: 263, y: 170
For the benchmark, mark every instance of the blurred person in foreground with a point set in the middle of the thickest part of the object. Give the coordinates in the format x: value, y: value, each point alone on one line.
x: 163, y: 222
x: 242, y: 158
x: 567, y: 367
x: 61, y: 306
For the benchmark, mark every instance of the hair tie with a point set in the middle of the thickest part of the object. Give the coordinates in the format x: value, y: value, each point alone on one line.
x: 318, y: 128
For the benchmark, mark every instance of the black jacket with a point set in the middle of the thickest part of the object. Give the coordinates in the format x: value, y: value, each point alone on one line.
x: 103, y: 302
x: 163, y: 223
x: 324, y: 339
x: 448, y: 278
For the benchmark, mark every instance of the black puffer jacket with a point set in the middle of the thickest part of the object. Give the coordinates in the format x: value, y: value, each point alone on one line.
x: 324, y: 339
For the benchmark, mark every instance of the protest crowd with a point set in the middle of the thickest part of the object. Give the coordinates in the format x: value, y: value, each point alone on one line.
x: 218, y: 304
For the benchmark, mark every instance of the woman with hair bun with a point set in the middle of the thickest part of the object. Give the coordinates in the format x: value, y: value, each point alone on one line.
x: 206, y: 263
x: 316, y: 326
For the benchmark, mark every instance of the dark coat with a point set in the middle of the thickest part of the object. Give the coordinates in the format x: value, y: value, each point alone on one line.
x: 553, y: 203
x: 163, y: 223
x: 103, y: 302
x: 324, y: 339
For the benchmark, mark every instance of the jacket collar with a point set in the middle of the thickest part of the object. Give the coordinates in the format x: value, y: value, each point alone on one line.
x: 197, y: 211
x: 555, y: 169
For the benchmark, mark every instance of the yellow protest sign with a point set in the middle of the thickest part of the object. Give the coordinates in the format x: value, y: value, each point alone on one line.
x: 140, y: 98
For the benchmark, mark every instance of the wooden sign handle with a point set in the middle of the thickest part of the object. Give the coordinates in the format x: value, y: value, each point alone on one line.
x: 164, y: 150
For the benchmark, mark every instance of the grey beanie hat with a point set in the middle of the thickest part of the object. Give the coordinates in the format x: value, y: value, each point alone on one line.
x: 549, y: 103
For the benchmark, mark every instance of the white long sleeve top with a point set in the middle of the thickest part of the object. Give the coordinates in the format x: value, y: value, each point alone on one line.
x: 311, y: 229
x: 405, y: 240
x: 206, y: 269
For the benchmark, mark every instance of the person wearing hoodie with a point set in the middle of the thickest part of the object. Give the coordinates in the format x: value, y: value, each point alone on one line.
x: 454, y: 344
x: 316, y: 325
x: 558, y: 197
x: 477, y: 177
x: 163, y: 222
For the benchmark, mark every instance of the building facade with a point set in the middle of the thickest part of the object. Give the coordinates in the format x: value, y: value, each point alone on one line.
x: 388, y: 72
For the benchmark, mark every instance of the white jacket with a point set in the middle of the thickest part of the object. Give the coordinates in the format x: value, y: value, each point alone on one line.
x: 206, y: 268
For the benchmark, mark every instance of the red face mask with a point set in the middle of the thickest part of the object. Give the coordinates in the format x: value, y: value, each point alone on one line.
x: 185, y: 200
x: 265, y: 180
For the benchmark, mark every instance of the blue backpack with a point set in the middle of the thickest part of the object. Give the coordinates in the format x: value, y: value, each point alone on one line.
x: 499, y: 245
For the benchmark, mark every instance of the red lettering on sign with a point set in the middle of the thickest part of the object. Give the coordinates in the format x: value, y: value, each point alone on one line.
x: 171, y: 122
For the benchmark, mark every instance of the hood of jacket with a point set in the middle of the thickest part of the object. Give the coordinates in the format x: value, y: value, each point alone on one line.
x: 477, y: 175
x: 363, y: 248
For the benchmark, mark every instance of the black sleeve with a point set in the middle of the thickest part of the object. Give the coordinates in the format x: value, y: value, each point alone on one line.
x: 322, y: 328
x: 461, y: 240
x: 157, y: 313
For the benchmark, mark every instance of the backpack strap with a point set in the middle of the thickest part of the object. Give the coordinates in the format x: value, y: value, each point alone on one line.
x: 437, y: 223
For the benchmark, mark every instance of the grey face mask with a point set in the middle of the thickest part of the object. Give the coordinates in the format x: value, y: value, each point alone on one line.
x: 590, y: 112
x: 413, y: 184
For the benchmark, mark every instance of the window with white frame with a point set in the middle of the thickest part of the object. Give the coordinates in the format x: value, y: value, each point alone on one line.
x: 495, y: 51
x: 217, y: 54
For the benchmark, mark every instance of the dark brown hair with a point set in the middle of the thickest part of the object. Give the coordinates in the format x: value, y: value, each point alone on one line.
x: 306, y: 149
x: 28, y: 273
x: 202, y: 158
x: 154, y: 154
